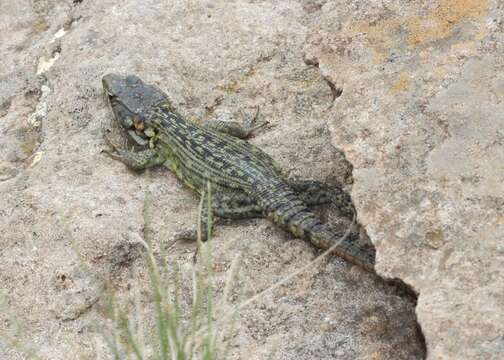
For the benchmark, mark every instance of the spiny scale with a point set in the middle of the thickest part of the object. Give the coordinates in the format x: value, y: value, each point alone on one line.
x: 206, y: 155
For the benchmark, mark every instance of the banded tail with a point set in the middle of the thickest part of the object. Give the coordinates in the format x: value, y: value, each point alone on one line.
x: 283, y: 206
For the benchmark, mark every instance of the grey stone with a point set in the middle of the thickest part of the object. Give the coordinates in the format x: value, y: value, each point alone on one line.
x: 420, y: 118
x: 411, y: 92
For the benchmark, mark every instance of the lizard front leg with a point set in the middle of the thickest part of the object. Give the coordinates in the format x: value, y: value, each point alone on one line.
x: 136, y: 160
x: 243, y: 131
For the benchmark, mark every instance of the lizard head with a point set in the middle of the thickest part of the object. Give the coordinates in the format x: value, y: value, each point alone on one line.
x: 131, y: 101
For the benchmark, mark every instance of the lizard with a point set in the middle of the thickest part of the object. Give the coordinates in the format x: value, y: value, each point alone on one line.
x: 244, y: 180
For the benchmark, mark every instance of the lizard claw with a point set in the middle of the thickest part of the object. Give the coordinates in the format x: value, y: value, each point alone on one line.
x: 111, y: 142
x: 114, y: 155
x: 250, y: 124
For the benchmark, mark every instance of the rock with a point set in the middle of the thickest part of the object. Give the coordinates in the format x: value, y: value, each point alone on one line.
x: 75, y: 293
x: 412, y: 93
x: 420, y: 118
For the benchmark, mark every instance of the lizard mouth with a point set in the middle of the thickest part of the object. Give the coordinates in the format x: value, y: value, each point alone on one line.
x: 133, y: 126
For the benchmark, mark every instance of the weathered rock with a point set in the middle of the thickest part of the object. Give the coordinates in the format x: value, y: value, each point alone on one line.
x: 413, y: 94
x: 421, y: 118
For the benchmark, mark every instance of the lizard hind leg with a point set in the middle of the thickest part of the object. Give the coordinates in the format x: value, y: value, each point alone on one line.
x: 227, y: 205
x: 283, y: 206
x: 318, y: 193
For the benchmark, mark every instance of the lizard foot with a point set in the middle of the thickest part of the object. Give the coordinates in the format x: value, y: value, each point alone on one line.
x: 250, y: 124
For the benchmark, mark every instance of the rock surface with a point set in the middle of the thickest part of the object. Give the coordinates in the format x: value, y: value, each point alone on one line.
x: 421, y: 119
x: 413, y: 95
x: 71, y: 218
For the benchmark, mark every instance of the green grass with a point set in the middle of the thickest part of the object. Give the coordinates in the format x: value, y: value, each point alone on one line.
x: 181, y: 330
x: 177, y: 336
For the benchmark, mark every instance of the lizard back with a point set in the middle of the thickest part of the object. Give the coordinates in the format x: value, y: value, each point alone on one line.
x: 199, y: 155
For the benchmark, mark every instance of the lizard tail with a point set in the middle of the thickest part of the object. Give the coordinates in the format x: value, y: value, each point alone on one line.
x: 348, y: 248
x: 283, y: 206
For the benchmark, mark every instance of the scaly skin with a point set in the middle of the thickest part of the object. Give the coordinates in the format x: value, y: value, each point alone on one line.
x: 245, y: 181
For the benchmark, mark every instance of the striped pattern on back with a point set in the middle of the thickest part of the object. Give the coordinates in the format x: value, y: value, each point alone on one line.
x: 205, y: 155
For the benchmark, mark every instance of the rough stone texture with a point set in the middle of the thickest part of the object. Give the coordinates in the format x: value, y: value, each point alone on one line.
x: 418, y: 117
x: 421, y: 119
